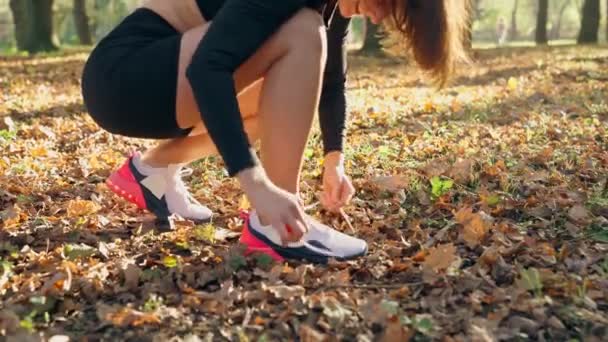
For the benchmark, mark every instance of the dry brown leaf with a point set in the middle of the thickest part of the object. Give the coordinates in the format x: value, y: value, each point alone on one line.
x: 395, y: 331
x: 11, y: 216
x: 131, y: 273
x: 309, y: 334
x: 125, y: 316
x: 54, y: 283
x: 578, y: 213
x: 440, y: 257
x: 9, y: 321
x: 78, y: 208
x: 461, y: 171
x: 436, y: 167
x: 286, y: 292
x: 391, y: 183
x: 474, y: 227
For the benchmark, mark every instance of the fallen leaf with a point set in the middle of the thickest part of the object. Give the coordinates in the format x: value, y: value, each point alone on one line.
x: 244, y: 203
x: 440, y: 257
x: 205, y: 233
x: 578, y: 213
x: 75, y: 251
x: 8, y: 124
x: 78, y: 208
x: 286, y: 292
x: 512, y: 84
x: 474, y: 227
x: 125, y: 316
x: 309, y: 334
x: 132, y: 274
x: 391, y: 183
x: 396, y: 331
x: 170, y: 261
x: 462, y: 170
x: 11, y: 216
x: 9, y: 321
x: 529, y: 279
x: 59, y: 338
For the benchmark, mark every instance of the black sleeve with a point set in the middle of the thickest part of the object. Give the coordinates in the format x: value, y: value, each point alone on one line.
x: 237, y: 31
x: 332, y: 107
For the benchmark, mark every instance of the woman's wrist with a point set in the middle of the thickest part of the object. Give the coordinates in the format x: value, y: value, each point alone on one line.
x: 333, y: 159
x: 252, y: 178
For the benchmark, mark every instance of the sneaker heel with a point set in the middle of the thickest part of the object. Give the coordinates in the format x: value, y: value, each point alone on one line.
x: 254, y: 245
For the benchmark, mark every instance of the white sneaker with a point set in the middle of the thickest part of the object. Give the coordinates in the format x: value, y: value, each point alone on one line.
x: 179, y: 199
x: 318, y: 245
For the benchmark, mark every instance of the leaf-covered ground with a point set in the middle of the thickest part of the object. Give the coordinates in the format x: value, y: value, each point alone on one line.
x: 485, y: 206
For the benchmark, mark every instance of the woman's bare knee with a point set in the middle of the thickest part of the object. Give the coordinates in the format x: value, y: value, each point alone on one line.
x: 305, y: 31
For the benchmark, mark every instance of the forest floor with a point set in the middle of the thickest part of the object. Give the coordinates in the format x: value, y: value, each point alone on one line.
x: 485, y: 206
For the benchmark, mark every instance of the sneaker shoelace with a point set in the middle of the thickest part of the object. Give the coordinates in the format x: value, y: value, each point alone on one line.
x: 181, y: 188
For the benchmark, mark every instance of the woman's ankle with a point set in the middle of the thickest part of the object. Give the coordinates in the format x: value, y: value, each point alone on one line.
x: 152, y: 159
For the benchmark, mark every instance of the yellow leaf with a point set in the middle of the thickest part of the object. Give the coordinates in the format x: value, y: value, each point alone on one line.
x: 456, y: 106
x: 205, y: 233
x: 440, y: 257
x: 77, y: 208
x: 512, y: 83
x: 244, y: 203
x: 39, y: 151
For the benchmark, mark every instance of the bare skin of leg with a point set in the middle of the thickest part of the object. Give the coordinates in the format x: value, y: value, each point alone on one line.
x: 289, y: 68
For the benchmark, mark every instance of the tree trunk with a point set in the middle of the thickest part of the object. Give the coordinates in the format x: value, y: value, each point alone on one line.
x: 81, y: 20
x: 557, y: 28
x: 33, y: 25
x: 42, y: 26
x: 473, y: 8
x: 513, y: 31
x: 20, y: 10
x: 371, y: 44
x: 541, y: 22
x: 590, y: 22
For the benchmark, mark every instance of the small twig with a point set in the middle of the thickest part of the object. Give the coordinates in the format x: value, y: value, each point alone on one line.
x: 369, y: 286
x: 247, y: 318
x: 347, y: 219
x: 311, y: 206
x: 439, y: 235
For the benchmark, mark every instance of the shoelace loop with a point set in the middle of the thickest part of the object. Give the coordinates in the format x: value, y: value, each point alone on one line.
x: 180, y: 186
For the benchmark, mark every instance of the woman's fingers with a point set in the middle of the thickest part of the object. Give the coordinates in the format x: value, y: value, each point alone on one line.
x: 328, y: 201
x: 297, y: 229
x: 335, y: 192
x: 280, y: 227
x: 346, y: 193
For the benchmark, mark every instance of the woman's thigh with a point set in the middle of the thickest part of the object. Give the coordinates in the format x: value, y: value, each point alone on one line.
x: 247, y: 77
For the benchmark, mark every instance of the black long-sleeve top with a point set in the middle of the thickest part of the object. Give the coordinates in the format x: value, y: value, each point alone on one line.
x: 239, y: 28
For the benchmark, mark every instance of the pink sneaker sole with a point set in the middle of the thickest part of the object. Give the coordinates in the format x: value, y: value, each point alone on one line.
x: 122, y: 183
x: 254, y: 245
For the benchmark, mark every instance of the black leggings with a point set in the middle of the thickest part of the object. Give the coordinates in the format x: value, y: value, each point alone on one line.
x: 129, y: 83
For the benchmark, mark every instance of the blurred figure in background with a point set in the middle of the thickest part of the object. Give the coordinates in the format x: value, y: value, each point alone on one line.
x: 501, y: 31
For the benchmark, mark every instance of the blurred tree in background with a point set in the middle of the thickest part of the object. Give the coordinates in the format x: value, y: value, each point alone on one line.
x: 33, y: 20
x: 541, y: 22
x: 590, y: 23
x: 373, y: 36
x: 42, y: 25
x: 81, y: 21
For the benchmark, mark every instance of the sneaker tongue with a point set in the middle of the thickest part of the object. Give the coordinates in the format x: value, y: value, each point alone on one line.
x: 174, y: 171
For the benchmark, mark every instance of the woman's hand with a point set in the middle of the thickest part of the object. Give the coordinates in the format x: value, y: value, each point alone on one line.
x: 277, y: 206
x: 337, y: 187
